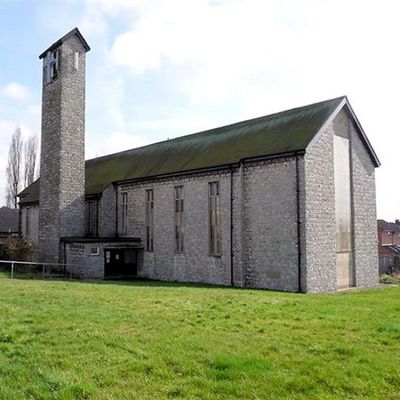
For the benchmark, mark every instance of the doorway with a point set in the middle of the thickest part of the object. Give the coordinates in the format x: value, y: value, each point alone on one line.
x: 120, y: 263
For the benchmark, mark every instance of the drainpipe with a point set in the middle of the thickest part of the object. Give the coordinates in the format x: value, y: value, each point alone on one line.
x: 20, y: 220
x: 231, y: 226
x: 116, y: 211
x: 97, y: 218
x: 298, y: 223
x: 65, y: 258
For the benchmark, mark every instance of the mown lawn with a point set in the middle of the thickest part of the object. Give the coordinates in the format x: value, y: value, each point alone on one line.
x: 74, y: 340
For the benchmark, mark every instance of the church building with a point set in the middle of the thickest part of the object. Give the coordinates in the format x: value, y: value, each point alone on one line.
x: 283, y: 202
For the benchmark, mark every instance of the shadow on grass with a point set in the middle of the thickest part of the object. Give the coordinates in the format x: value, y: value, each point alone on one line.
x: 136, y: 282
x: 144, y: 282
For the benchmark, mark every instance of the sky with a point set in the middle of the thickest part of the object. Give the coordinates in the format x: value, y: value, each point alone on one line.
x: 160, y: 69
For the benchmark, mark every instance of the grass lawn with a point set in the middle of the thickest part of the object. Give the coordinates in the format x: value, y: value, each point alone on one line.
x: 74, y: 340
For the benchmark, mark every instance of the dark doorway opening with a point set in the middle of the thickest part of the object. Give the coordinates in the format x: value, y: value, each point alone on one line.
x: 120, y: 263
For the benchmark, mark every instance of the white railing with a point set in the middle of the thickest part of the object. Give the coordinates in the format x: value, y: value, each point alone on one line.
x: 14, y: 263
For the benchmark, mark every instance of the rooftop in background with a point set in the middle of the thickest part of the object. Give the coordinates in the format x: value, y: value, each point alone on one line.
x: 276, y: 134
x: 8, y: 220
x: 389, y: 226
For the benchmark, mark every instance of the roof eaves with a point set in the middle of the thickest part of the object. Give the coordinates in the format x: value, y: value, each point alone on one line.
x: 345, y: 103
x: 364, y: 138
x: 59, y: 42
x: 29, y: 203
x: 210, y: 169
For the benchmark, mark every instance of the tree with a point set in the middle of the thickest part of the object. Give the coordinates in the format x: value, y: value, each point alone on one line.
x: 30, y: 156
x: 19, y: 249
x: 14, y: 168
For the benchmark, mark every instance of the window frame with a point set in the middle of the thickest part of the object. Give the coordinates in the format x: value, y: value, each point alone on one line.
x: 214, y: 219
x: 27, y: 223
x: 91, y: 218
x: 149, y: 220
x: 124, y: 213
x: 94, y: 251
x: 179, y: 219
x: 54, y: 65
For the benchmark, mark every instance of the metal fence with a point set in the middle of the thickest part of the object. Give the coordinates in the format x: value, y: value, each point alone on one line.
x: 30, y: 269
x: 389, y: 264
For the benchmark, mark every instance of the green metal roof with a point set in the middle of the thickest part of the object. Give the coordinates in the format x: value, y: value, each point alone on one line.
x: 286, y: 131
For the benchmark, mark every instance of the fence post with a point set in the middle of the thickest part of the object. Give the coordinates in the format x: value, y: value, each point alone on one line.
x: 12, y: 269
x: 42, y: 271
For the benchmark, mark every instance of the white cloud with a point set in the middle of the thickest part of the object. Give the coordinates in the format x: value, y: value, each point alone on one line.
x: 214, y: 51
x: 248, y: 57
x: 15, y: 91
x: 115, y: 142
x: 265, y: 56
x: 94, y: 22
x: 218, y: 53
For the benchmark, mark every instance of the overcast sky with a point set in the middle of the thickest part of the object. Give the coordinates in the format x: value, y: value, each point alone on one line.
x: 164, y: 68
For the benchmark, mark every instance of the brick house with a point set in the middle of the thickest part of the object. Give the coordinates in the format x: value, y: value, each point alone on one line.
x: 8, y: 225
x: 285, y: 201
x: 389, y: 245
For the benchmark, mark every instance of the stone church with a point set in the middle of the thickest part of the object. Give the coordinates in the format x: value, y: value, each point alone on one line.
x: 284, y: 202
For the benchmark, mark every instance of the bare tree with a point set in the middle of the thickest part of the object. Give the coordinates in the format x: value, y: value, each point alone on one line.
x: 14, y: 168
x: 30, y: 156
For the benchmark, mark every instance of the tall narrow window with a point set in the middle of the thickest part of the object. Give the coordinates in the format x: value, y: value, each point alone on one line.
x: 27, y: 223
x: 343, y: 206
x: 91, y: 218
x: 179, y: 219
x: 214, y: 211
x: 124, y: 213
x: 149, y: 219
x: 51, y: 65
x: 55, y: 64
x: 76, y: 61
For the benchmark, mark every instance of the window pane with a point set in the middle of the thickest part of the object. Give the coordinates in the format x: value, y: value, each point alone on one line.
x: 179, y: 218
x: 344, y: 234
x: 149, y: 219
x: 124, y: 213
x: 214, y: 219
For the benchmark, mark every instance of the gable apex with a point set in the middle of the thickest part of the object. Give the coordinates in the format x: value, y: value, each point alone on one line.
x: 59, y: 42
x: 345, y: 105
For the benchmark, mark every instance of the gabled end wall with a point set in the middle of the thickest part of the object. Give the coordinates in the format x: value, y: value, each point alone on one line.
x: 319, y: 269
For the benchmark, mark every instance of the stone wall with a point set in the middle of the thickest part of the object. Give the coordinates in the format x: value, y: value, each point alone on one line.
x: 238, y: 234
x: 195, y: 264
x: 264, y: 227
x: 364, y: 214
x: 75, y: 257
x: 30, y: 216
x: 320, y: 270
x: 62, y: 180
x: 82, y: 263
x: 319, y: 258
x: 106, y: 216
x: 270, y: 225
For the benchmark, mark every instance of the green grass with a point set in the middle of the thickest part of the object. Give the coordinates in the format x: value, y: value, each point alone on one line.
x: 73, y: 340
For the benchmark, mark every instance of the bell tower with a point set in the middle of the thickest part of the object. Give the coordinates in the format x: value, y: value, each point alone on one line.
x: 62, y: 161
